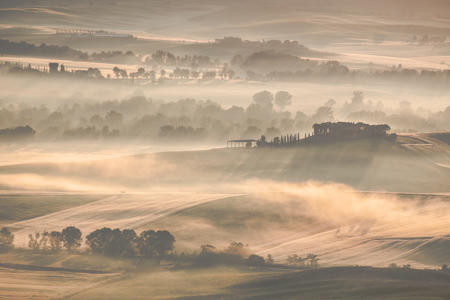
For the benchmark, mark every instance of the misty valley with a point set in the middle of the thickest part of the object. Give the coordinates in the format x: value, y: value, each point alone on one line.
x: 166, y: 149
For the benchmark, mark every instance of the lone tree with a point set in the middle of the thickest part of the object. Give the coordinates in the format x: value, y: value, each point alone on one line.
x: 283, y: 99
x: 6, y: 240
x: 263, y: 98
x: 256, y: 260
x: 116, y: 71
x: 71, y: 237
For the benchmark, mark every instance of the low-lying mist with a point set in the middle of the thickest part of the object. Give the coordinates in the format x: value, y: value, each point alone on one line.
x: 278, y: 218
x: 197, y: 123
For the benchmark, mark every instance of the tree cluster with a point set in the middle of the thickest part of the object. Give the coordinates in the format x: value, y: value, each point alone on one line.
x: 428, y: 40
x: 43, y: 50
x: 116, y: 57
x: 20, y: 133
x: 164, y: 58
x: 54, y: 241
x: 310, y: 260
x: 394, y: 265
x: 6, y: 240
x: 235, y: 254
x: 266, y: 61
x: 126, y: 243
x: 105, y: 241
x: 288, y: 46
x: 65, y: 52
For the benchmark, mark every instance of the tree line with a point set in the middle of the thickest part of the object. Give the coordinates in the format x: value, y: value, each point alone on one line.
x: 105, y: 241
x: 239, y: 254
x: 160, y: 58
x: 149, y: 244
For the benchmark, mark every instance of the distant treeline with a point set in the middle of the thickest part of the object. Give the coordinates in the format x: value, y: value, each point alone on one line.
x: 164, y: 58
x: 428, y: 40
x: 160, y: 58
x: 277, y: 66
x: 189, y: 120
x: 105, y: 241
x: 65, y: 52
x: 444, y: 268
x: 269, y: 60
x: 43, y: 50
x: 271, y: 64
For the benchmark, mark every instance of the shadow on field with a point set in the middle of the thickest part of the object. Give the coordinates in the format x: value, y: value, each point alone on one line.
x: 343, y: 283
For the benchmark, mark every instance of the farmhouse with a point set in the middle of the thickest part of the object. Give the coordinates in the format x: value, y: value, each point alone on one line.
x: 349, y: 131
x: 323, y: 133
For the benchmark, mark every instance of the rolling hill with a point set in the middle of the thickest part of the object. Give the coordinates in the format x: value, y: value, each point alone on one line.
x: 414, y: 163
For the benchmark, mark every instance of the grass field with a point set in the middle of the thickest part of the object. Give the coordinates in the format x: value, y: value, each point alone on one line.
x: 19, y: 207
x: 119, y: 211
x: 24, y: 284
x: 343, y: 227
x: 325, y: 283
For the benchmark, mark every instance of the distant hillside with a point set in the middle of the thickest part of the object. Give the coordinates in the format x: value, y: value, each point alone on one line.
x: 415, y: 163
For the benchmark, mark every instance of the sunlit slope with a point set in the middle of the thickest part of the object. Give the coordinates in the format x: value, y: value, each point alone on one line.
x: 15, y: 207
x: 341, y: 226
x: 119, y: 211
x: 262, y: 220
x: 415, y: 163
x: 418, y: 236
x: 24, y: 284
